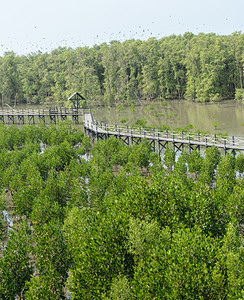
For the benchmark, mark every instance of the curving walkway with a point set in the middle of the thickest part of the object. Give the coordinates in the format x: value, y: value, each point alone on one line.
x: 160, y: 139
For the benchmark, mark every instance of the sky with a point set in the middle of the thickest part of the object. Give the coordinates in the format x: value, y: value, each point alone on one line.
x: 29, y: 26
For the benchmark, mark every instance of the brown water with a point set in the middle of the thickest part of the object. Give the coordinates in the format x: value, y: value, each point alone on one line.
x: 225, y: 117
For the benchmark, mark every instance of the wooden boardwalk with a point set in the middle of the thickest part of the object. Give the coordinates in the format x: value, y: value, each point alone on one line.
x: 159, y: 140
x: 33, y: 116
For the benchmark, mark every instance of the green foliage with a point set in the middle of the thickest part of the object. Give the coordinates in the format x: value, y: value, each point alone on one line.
x: 45, y: 286
x: 15, y: 268
x: 239, y: 163
x: 203, y: 67
x: 120, y: 107
x: 181, y: 167
x: 51, y: 250
x: 194, y: 161
x: 178, y: 267
x: 118, y: 225
x: 239, y: 95
x: 120, y: 289
x: 231, y: 264
x: 56, y: 157
x: 226, y: 174
x: 140, y: 155
x: 209, y: 165
x: 97, y: 241
x: 144, y: 236
x: 140, y: 123
x: 26, y: 185
x: 45, y: 210
x: 132, y: 107
x: 164, y: 127
x: 155, y: 166
x: 125, y: 120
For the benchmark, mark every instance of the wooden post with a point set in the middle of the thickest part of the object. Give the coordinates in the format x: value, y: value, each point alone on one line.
x: 158, y: 143
x: 182, y: 136
x: 107, y: 132
x: 189, y: 143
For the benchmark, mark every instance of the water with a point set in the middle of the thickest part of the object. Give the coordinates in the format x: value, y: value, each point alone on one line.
x: 9, y: 220
x: 225, y: 117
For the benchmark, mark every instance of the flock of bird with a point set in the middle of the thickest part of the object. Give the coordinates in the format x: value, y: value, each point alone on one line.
x: 43, y: 45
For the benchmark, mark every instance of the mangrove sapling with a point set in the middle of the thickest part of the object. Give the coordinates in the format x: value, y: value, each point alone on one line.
x: 194, y: 162
x: 239, y: 163
x: 15, y: 267
x: 209, y: 166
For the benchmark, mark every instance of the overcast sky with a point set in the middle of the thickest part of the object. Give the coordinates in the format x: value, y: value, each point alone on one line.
x: 42, y: 25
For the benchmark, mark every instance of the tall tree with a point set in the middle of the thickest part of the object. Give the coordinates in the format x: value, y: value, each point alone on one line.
x: 9, y: 77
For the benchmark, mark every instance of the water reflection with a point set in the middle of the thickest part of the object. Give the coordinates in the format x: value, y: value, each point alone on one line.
x: 225, y: 117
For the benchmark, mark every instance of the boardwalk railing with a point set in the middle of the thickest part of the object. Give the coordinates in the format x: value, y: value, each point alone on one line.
x: 32, y: 116
x: 160, y: 139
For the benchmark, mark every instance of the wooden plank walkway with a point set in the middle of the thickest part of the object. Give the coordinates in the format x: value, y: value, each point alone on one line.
x: 160, y: 139
x: 32, y: 116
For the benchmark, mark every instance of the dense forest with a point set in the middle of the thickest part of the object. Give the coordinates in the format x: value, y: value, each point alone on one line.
x: 203, y: 67
x: 108, y: 221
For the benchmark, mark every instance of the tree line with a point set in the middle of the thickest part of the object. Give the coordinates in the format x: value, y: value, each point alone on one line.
x: 203, y: 67
x: 119, y: 223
